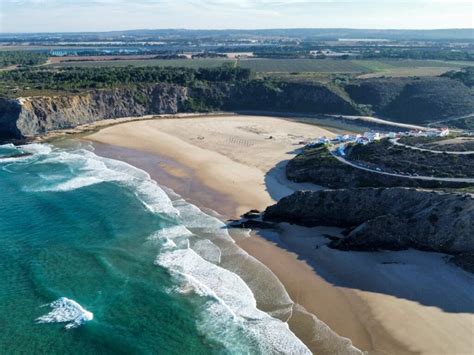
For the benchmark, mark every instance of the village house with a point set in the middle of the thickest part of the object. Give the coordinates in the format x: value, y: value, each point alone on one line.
x: 373, y: 136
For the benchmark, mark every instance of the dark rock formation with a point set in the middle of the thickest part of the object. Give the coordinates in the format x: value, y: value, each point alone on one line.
x: 26, y: 117
x: 385, y: 218
x: 464, y: 260
x: 318, y: 166
x: 252, y: 214
x: 252, y: 224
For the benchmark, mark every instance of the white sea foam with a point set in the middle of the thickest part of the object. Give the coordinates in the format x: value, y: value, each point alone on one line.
x: 7, y: 146
x: 11, y: 159
x: 207, y: 250
x: 76, y: 183
x: 232, y: 304
x: 229, y: 314
x: 65, y: 310
x: 172, y: 232
x: 36, y: 148
x: 196, y: 220
x: 87, y: 169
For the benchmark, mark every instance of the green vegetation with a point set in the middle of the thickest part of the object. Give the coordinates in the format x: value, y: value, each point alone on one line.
x: 423, y: 141
x: 413, y: 100
x: 466, y: 76
x: 21, y: 58
x: 283, y: 65
x: 183, y: 63
x: 223, y: 88
x: 466, y: 123
x: 302, y: 65
x: 70, y: 79
x: 318, y: 166
x: 257, y: 65
x: 452, y: 143
x: 396, y: 159
x: 418, y: 53
x: 304, y: 85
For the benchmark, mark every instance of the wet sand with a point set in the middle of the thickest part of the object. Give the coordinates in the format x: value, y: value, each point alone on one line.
x: 233, y: 164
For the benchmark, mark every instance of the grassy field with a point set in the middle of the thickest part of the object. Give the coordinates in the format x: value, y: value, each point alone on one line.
x: 258, y: 65
x: 302, y: 65
x: 389, y: 67
x: 188, y: 63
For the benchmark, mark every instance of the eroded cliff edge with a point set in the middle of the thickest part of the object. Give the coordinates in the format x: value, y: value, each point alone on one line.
x: 32, y: 116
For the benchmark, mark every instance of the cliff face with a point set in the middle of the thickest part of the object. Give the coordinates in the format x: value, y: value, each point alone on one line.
x: 33, y: 116
x: 385, y: 218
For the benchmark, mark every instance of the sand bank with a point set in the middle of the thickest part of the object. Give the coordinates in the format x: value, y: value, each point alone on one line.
x: 240, y: 158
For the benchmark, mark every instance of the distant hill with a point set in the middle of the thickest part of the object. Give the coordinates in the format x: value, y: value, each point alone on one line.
x: 414, y: 100
x: 300, y: 33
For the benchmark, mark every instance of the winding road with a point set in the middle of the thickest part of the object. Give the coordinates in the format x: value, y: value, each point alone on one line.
x: 396, y: 142
x: 333, y: 151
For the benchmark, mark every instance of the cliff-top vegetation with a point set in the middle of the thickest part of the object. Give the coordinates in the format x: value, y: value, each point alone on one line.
x: 21, y: 58
x: 70, y: 79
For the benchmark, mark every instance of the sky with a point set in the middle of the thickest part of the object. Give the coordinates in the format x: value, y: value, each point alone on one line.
x: 105, y: 15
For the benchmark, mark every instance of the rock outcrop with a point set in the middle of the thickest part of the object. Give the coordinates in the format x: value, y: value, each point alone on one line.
x: 32, y: 116
x: 385, y: 218
x: 318, y: 166
x: 405, y: 99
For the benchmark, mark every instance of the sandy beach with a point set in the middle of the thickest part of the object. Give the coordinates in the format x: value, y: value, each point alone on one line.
x: 386, y: 303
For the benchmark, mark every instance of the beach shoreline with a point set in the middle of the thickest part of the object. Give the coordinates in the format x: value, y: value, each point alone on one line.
x: 172, y: 175
x: 232, y: 164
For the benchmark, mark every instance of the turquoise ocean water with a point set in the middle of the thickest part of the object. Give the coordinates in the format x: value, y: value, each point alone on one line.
x: 96, y: 258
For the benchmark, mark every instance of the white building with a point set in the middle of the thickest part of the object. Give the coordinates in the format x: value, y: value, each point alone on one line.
x: 372, y: 136
x: 443, y: 132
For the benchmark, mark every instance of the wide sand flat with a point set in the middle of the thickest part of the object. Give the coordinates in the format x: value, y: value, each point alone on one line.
x: 231, y: 154
x: 382, y: 308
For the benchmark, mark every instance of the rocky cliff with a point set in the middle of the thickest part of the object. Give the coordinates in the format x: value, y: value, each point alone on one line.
x: 26, y: 117
x: 31, y: 116
x: 385, y: 218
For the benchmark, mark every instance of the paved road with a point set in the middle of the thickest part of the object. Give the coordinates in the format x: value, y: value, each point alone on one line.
x: 437, y: 123
x: 396, y: 142
x: 371, y: 119
x: 429, y: 178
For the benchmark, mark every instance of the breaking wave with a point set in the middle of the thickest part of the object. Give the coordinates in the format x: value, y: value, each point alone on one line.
x: 194, y: 247
x: 65, y: 310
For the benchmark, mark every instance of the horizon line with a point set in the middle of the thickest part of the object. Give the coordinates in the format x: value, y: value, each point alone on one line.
x: 243, y: 29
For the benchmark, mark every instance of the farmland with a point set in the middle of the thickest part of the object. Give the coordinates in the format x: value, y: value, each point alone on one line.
x: 186, y: 63
x: 384, y: 67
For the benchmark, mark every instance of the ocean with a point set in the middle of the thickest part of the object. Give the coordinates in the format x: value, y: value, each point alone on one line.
x: 96, y: 257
